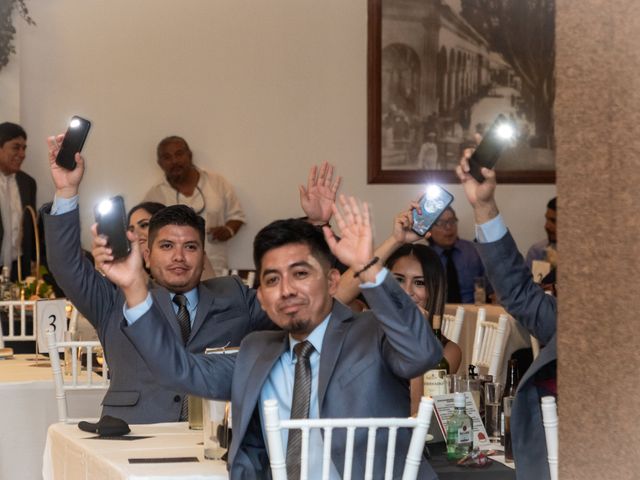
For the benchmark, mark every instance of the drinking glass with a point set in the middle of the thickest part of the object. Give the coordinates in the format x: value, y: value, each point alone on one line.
x: 195, y: 412
x: 479, y: 292
x: 508, y: 449
x: 492, y: 395
x: 217, y: 426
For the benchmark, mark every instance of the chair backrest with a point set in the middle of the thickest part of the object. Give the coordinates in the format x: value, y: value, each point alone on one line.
x: 248, y: 277
x: 76, y: 380
x: 490, y: 342
x: 550, y: 422
x: 22, y: 307
x: 452, y: 325
x: 420, y: 426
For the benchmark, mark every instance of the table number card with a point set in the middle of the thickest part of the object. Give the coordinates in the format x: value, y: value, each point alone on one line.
x: 50, y: 314
x: 444, y: 408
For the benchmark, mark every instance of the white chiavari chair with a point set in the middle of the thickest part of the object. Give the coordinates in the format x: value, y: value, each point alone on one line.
x: 77, y: 380
x: 16, y: 310
x: 420, y: 426
x: 490, y: 342
x: 550, y: 422
x: 452, y: 325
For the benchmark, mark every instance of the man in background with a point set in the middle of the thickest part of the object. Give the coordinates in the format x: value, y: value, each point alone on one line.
x: 458, y: 256
x: 17, y: 191
x: 209, y: 194
x: 546, y: 250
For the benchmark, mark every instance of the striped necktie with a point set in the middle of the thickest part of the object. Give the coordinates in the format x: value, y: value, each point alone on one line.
x: 299, y: 405
x: 184, y: 321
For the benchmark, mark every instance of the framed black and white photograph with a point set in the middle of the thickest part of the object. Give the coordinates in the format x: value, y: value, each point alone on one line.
x: 441, y: 71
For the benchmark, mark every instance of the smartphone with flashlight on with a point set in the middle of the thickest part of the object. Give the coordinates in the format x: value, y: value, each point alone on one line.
x: 73, y: 142
x: 111, y: 217
x: 497, y: 138
x: 434, y: 201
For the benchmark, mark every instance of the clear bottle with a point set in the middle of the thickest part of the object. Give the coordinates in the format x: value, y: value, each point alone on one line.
x: 434, y: 379
x: 459, y: 430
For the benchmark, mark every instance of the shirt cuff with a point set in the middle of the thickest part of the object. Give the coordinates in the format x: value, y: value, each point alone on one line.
x: 64, y: 205
x: 134, y: 313
x: 380, y: 276
x: 491, y: 231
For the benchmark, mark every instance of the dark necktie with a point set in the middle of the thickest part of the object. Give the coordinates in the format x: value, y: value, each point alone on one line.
x: 184, y: 321
x: 299, y: 406
x: 453, y: 286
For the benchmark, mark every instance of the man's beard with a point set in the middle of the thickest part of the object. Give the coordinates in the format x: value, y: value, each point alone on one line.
x: 298, y: 325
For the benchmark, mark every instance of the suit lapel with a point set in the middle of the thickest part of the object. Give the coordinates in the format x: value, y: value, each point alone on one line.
x: 253, y: 382
x: 205, y: 301
x: 332, y: 346
x: 162, y: 299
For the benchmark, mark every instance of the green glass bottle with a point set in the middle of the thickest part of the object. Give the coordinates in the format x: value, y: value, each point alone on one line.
x: 459, y: 430
x: 434, y: 379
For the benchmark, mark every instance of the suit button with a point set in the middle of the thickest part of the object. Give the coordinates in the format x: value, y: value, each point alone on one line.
x: 177, y: 399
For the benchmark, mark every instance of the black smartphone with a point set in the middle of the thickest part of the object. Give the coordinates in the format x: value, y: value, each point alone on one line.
x: 496, y: 139
x: 73, y: 142
x: 434, y: 201
x: 112, y: 223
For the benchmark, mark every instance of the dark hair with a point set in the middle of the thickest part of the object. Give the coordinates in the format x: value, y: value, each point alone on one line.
x: 285, y: 232
x: 9, y: 131
x: 552, y: 204
x: 432, y: 271
x: 181, y: 215
x: 151, y: 207
x: 171, y: 139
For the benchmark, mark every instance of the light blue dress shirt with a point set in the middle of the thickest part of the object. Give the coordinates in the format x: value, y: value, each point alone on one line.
x: 491, y: 231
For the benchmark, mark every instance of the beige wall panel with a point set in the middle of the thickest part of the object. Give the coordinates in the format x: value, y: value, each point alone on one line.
x: 598, y: 157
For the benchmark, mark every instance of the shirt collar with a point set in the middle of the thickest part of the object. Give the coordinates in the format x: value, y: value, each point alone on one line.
x: 191, y: 295
x: 315, y: 337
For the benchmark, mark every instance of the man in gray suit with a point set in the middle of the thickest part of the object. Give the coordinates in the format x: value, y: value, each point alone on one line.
x: 360, y: 363
x: 221, y: 311
x: 529, y: 305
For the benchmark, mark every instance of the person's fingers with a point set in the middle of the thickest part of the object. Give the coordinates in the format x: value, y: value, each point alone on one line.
x: 303, y: 192
x: 329, y: 175
x: 329, y: 237
x: 336, y: 185
x: 322, y: 175
x: 462, y: 176
x: 79, y: 160
x: 311, y: 178
x: 488, y: 174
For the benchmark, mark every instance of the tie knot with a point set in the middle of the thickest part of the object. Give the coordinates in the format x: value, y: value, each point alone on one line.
x: 303, y: 349
x: 180, y: 300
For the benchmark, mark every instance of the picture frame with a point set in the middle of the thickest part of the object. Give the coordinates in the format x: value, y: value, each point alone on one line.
x: 437, y: 76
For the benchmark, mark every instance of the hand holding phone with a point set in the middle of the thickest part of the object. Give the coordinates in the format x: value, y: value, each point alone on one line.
x: 111, y: 217
x: 496, y: 139
x: 73, y: 142
x: 435, y: 201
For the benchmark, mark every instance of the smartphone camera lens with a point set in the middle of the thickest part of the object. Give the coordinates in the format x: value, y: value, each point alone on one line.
x: 105, y: 206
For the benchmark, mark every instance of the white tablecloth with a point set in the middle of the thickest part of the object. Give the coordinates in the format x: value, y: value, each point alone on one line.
x: 72, y: 454
x: 27, y: 408
x: 518, y: 335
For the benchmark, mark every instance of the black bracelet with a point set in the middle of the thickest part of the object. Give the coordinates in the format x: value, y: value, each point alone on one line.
x: 373, y: 261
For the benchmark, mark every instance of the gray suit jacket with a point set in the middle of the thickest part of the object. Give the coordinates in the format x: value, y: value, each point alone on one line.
x: 365, y: 365
x: 27, y: 190
x: 536, y: 311
x: 227, y: 311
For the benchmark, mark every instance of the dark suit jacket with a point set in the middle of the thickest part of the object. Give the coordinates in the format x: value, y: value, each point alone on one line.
x: 366, y: 362
x: 27, y: 189
x: 227, y: 311
x: 536, y: 311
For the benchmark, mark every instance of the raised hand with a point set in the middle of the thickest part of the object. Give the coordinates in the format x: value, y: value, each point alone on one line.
x: 126, y: 273
x: 65, y: 181
x: 355, y: 247
x: 318, y: 198
x: 402, y: 226
x: 481, y: 196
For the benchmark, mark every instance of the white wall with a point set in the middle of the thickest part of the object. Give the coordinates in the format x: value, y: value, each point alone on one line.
x: 260, y: 89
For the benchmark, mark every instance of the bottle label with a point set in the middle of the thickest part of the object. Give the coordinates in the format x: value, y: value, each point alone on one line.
x: 434, y: 383
x: 465, y: 435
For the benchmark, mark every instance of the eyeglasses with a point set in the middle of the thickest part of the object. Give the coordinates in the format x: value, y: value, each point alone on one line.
x: 452, y: 222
